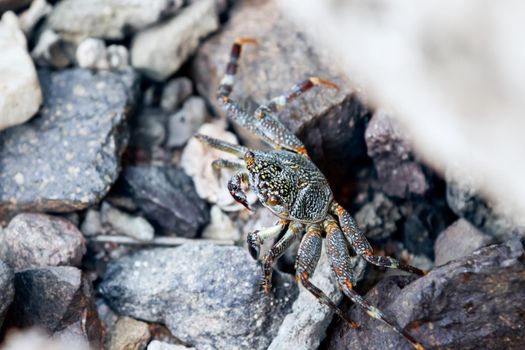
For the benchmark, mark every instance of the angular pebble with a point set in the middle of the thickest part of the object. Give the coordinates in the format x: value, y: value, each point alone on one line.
x: 129, y: 334
x: 38, y: 240
x: 7, y: 289
x: 379, y: 217
x: 125, y: 224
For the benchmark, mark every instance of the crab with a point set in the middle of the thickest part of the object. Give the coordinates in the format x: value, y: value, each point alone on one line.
x: 291, y: 186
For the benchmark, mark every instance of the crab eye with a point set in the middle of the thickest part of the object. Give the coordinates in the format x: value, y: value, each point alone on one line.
x: 273, y: 200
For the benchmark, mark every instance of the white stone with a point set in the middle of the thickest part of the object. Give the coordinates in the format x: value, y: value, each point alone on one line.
x: 91, y: 53
x: 30, y: 17
x: 125, y: 224
x: 49, y: 50
x: 221, y: 227
x: 20, y: 94
x: 160, y: 345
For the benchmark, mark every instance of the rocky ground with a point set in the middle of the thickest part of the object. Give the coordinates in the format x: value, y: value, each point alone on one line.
x: 115, y: 232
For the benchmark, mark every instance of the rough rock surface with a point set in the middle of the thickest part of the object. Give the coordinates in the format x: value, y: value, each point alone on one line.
x: 129, y: 334
x: 38, y: 240
x: 67, y: 157
x: 208, y: 296
x: 20, y: 95
x: 331, y: 123
x: 7, y: 289
x: 167, y: 197
x: 378, y: 218
x: 58, y: 299
x: 458, y: 240
x: 471, y: 303
x: 399, y: 175
x: 108, y: 19
x: 183, y: 124
x: 160, y: 50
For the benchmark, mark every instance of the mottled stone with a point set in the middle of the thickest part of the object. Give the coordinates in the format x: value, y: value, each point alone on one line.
x: 7, y: 290
x: 20, y: 95
x: 129, y: 334
x: 183, y: 124
x: 59, y: 300
x: 160, y: 50
x: 476, y: 302
x: 125, y: 224
x: 38, y: 240
x: 378, y: 218
x: 458, y: 240
x: 175, y: 92
x: 67, y: 157
x: 167, y: 197
x: 399, y: 175
x: 208, y: 296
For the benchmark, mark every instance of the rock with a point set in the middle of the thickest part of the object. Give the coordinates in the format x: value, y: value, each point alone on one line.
x: 167, y: 197
x: 34, y: 14
x: 92, y: 53
x: 21, y: 95
x: 175, y: 92
x: 208, y: 296
x: 458, y: 240
x: 107, y: 19
x: 378, y: 218
x: 107, y: 317
x: 398, y: 173
x: 455, y: 306
x: 183, y: 124
x: 158, y: 345
x: 12, y: 5
x: 38, y: 240
x: 221, y: 227
x: 67, y: 158
x: 160, y: 50
x: 305, y: 327
x: 124, y: 224
x: 59, y: 300
x: 331, y: 123
x: 149, y: 129
x: 129, y: 334
x: 51, y: 50
x: 37, y: 339
x: 7, y: 288
x: 92, y: 224
x: 118, y: 57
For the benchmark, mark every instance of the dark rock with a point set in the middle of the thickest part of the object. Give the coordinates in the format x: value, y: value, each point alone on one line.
x: 57, y: 299
x: 38, y: 240
x: 477, y: 302
x: 458, y: 240
x: 167, y: 197
x: 149, y: 129
x: 208, y: 296
x: 7, y: 290
x: 67, y: 157
x: 379, y: 217
x: 12, y: 5
x: 175, y: 92
x: 183, y: 124
x: 330, y: 122
x: 398, y: 173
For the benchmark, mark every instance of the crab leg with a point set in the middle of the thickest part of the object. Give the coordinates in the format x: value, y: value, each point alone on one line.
x: 359, y: 243
x: 236, y: 150
x: 278, y: 249
x: 256, y: 238
x: 339, y: 259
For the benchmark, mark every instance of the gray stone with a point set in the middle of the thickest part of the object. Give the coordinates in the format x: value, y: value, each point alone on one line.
x: 175, y: 92
x: 38, y: 240
x: 7, y: 289
x: 378, y: 218
x: 458, y: 240
x: 21, y: 95
x: 183, y: 124
x: 208, y: 296
x: 67, y: 157
x: 167, y: 197
x: 59, y: 300
x: 159, y: 51
x: 51, y: 50
x: 398, y: 173
x: 108, y: 19
x: 129, y: 334
x: 125, y: 224
x: 459, y: 305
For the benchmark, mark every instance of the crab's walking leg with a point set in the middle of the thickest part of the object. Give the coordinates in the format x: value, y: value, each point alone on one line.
x: 339, y: 259
x: 256, y: 238
x: 236, y: 150
x: 307, y: 258
x: 278, y: 249
x: 235, y: 186
x: 361, y: 246
x: 219, y: 164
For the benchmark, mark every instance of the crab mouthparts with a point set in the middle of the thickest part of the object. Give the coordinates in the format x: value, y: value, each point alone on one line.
x: 249, y: 159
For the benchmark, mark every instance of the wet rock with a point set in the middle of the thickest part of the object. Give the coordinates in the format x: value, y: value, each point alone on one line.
x: 7, y: 288
x: 124, y: 224
x: 167, y: 197
x: 21, y: 95
x: 92, y: 53
x: 149, y: 129
x: 35, y: 13
x: 379, y: 217
x: 221, y: 227
x: 37, y: 240
x: 51, y: 50
x: 456, y: 306
x: 306, y: 325
x: 59, y: 300
x: 160, y: 50
x: 458, y: 240
x: 175, y: 92
x: 398, y: 173
x: 183, y: 124
x: 158, y: 345
x: 129, y: 334
x: 68, y: 156
x: 208, y: 296
x: 331, y: 123
x: 107, y: 19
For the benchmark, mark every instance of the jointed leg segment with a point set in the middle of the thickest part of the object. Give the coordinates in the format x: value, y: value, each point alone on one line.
x: 256, y: 239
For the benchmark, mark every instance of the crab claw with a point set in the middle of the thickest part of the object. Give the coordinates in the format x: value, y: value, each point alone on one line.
x: 253, y: 244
